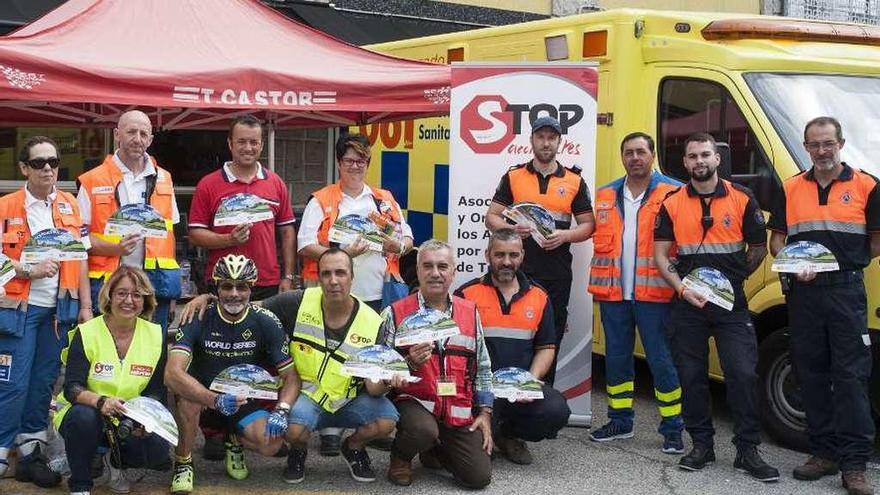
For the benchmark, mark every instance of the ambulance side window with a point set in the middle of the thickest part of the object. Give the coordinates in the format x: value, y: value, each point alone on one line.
x: 687, y: 106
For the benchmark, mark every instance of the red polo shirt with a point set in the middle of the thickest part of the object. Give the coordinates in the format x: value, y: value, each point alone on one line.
x: 216, y: 186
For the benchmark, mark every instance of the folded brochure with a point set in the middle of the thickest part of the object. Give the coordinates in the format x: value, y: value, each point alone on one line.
x: 377, y: 362
x: 425, y: 325
x: 154, y: 417
x: 539, y: 220
x: 246, y: 380
x: 516, y: 384
x: 140, y: 219
x: 53, y: 244
x: 7, y: 269
x: 242, y: 208
x: 712, y: 285
x: 347, y: 228
x: 805, y: 255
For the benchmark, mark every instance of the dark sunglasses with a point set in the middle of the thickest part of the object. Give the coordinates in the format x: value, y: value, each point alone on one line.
x: 39, y: 163
x: 240, y: 286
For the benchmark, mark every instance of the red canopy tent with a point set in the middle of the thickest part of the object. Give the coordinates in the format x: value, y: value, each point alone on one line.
x: 197, y: 63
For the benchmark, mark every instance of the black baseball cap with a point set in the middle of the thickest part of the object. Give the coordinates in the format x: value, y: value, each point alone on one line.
x: 546, y: 121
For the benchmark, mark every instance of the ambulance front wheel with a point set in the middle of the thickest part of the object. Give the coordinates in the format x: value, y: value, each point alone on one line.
x: 782, y: 413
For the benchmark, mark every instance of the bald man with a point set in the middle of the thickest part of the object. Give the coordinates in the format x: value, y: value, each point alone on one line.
x: 131, y: 176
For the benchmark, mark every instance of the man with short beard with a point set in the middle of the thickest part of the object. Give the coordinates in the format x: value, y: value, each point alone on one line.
x: 712, y: 221
x: 837, y: 206
x: 564, y: 194
x: 233, y: 332
x: 520, y: 332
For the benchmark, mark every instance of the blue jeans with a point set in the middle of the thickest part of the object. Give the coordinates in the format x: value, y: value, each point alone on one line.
x: 362, y: 410
x: 33, y: 361
x: 619, y: 320
x: 160, y: 316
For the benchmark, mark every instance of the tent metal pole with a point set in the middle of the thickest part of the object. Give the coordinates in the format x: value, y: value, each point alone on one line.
x: 271, y: 126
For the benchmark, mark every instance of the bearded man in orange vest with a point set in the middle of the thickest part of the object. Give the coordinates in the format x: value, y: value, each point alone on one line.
x: 42, y: 302
x: 131, y: 176
x: 564, y: 194
x: 838, y: 207
x: 631, y: 292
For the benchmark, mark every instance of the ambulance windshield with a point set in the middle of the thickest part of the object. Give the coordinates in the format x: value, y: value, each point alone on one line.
x: 791, y: 100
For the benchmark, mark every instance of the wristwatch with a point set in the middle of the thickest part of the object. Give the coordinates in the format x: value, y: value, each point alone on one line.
x: 290, y: 277
x: 284, y: 406
x: 26, y: 270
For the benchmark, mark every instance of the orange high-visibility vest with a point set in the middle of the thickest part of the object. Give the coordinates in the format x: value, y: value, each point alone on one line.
x: 16, y: 233
x: 605, y: 267
x: 329, y: 198
x: 804, y: 214
x: 100, y: 183
x: 522, y: 319
x: 556, y: 200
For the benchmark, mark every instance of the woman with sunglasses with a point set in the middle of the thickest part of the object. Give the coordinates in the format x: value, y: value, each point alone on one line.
x: 111, y: 359
x: 41, y: 303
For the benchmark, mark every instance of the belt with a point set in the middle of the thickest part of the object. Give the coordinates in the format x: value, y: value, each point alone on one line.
x: 842, y: 277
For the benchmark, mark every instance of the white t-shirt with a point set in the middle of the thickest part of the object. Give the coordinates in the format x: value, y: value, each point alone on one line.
x: 630, y: 229
x: 132, y: 190
x: 369, y: 268
x: 44, y: 291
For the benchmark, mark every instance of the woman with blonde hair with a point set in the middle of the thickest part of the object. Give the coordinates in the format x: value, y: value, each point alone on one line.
x: 113, y: 358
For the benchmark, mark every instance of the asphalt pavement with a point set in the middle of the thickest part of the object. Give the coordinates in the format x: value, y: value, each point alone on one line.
x: 569, y: 464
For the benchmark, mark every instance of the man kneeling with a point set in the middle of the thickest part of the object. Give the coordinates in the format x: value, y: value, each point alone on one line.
x: 232, y: 332
x: 328, y: 325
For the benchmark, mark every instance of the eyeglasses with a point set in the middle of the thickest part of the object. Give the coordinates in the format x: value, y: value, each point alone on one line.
x: 39, y: 163
x: 134, y: 296
x: 354, y: 162
x: 239, y: 286
x: 828, y: 145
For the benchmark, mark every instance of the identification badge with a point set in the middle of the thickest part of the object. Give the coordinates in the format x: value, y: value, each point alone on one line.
x: 65, y: 208
x: 15, y: 221
x: 102, y: 190
x: 446, y: 386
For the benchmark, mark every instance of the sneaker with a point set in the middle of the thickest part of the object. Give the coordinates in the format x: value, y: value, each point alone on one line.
x: 611, y: 431
x: 282, y: 451
x: 856, y: 483
x: 34, y: 469
x: 673, y: 444
x: 698, y: 458
x: 814, y: 468
x: 330, y: 445
x: 118, y: 481
x: 748, y: 460
x: 80, y: 493
x: 235, y: 465
x: 515, y: 450
x: 295, y: 471
x: 358, y: 463
x: 214, y: 449
x: 4, y: 466
x: 182, y: 482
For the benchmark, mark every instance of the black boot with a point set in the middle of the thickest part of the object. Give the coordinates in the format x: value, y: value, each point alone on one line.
x: 748, y: 460
x: 33, y: 468
x: 698, y: 458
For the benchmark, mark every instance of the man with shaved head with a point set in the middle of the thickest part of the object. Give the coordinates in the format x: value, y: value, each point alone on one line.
x: 131, y: 176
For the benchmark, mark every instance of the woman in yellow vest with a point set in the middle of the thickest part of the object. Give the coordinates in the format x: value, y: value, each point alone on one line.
x: 113, y: 358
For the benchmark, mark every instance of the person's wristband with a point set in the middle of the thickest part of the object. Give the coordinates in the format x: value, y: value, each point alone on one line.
x: 289, y: 276
x: 681, y: 289
x: 282, y: 406
x: 100, y: 403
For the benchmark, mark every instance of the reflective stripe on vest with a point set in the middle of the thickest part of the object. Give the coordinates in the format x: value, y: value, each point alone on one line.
x: 108, y: 375
x: 523, y: 315
x: 17, y: 233
x: 605, y: 267
x: 558, y: 197
x: 459, y: 365
x: 329, y: 198
x: 320, y: 368
x: 100, y: 183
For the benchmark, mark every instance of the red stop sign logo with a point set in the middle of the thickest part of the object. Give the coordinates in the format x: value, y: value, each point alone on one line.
x: 485, y: 125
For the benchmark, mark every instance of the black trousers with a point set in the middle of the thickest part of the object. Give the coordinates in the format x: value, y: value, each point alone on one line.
x: 83, y: 432
x: 689, y: 330
x: 832, y: 360
x: 558, y: 290
x: 532, y: 421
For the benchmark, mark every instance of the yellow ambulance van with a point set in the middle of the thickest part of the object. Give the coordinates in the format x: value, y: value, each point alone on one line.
x: 751, y: 81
